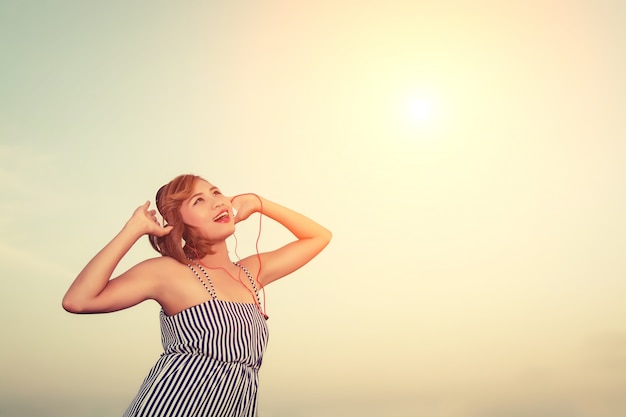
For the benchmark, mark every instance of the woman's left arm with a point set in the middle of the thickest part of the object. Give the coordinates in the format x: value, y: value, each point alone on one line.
x: 311, y: 237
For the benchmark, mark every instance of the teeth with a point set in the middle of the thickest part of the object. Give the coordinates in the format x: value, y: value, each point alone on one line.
x: 221, y: 216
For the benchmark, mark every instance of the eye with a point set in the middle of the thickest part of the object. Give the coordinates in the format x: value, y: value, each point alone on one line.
x: 217, y: 192
x: 197, y: 200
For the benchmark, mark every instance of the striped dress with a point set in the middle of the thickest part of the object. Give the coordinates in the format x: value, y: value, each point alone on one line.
x: 209, y: 366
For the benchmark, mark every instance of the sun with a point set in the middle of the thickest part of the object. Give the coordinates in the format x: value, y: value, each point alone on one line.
x: 420, y: 110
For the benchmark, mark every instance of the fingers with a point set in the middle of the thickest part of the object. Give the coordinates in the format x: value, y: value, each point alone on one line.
x: 163, y: 231
x: 150, y: 214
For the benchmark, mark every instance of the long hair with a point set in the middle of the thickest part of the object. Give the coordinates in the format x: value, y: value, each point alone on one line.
x: 183, y: 242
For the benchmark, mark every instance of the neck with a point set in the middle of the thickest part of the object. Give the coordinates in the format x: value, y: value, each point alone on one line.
x: 219, y: 257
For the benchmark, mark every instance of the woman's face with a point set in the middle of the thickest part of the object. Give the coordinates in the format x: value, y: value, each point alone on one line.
x: 209, y: 211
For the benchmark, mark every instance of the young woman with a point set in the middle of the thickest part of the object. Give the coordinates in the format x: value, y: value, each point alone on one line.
x: 212, y: 321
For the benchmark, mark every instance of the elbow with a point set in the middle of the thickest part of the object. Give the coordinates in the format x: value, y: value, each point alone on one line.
x: 71, y: 306
x: 327, y: 236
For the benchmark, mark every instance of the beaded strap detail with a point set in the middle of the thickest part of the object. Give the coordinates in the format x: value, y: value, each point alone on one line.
x: 256, y: 290
x: 209, y: 290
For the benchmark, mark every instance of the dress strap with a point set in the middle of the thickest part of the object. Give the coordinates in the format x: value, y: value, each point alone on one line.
x: 211, y: 289
x: 252, y: 281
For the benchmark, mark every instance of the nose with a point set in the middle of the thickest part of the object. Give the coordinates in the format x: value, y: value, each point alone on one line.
x: 219, y: 202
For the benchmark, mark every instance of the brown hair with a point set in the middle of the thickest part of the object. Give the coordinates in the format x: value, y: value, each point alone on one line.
x: 169, y: 199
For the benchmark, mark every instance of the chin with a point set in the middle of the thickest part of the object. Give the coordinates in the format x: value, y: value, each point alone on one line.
x: 218, y: 237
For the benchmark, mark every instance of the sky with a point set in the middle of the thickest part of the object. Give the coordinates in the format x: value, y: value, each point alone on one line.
x: 468, y: 156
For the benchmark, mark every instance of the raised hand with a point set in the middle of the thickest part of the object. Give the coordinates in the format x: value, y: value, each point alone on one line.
x: 246, y: 204
x: 144, y: 221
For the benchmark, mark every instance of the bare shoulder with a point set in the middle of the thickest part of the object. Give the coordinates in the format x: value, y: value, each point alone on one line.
x: 251, y: 263
x: 164, y: 274
x: 175, y: 287
x: 162, y: 262
x: 159, y: 268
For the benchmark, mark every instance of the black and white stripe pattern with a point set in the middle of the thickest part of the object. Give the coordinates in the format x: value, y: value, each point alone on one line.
x: 209, y: 366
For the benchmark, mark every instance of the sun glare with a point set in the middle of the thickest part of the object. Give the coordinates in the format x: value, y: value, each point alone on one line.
x: 420, y: 110
x: 419, y: 113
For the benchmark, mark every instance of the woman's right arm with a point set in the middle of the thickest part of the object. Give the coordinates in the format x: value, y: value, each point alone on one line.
x: 93, y: 290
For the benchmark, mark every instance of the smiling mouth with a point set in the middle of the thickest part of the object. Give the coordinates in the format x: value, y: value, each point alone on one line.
x: 223, y: 216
